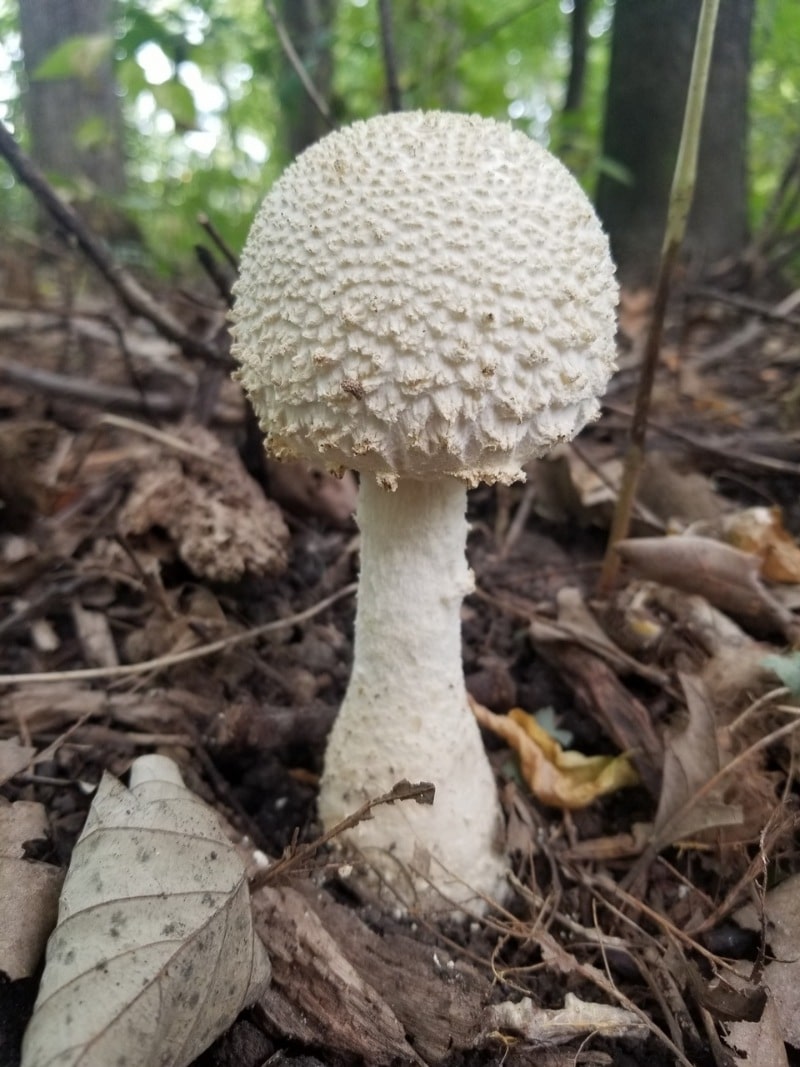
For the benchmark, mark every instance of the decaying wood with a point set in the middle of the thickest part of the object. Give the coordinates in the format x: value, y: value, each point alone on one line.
x: 337, y: 984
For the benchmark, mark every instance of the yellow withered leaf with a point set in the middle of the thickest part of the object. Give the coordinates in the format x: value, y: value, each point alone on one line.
x: 761, y: 531
x: 562, y: 779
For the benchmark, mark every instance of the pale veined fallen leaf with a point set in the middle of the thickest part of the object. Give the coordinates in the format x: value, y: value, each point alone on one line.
x: 562, y: 779
x: 154, y: 954
x: 28, y: 889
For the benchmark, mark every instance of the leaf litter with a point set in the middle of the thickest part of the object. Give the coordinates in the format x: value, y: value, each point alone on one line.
x: 154, y: 947
x: 152, y: 557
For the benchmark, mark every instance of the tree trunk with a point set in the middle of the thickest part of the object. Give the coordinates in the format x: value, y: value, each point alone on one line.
x: 310, y: 27
x: 58, y: 111
x: 651, y: 55
x: 578, y: 49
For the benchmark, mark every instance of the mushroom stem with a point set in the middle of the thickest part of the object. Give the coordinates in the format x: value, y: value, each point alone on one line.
x: 405, y: 713
x: 414, y: 576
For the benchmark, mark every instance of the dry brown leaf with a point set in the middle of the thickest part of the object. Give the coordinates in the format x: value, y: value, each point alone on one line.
x: 25, y: 447
x: 575, y: 623
x: 577, y: 1019
x: 221, y: 523
x: 568, y: 489
x: 687, y: 806
x: 28, y: 890
x: 154, y: 954
x: 582, y: 487
x: 760, y: 531
x: 313, y: 491
x: 758, y: 1044
x: 13, y: 759
x: 676, y: 493
x: 555, y: 777
x: 782, y: 973
x: 734, y: 664
x: 49, y: 707
x: 725, y: 576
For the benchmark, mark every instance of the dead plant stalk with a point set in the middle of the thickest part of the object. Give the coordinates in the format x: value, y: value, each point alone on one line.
x: 680, y: 201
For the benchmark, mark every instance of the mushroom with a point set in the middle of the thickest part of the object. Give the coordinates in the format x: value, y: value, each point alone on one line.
x: 427, y: 298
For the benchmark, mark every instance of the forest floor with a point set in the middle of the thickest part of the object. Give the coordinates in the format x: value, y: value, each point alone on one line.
x: 164, y: 588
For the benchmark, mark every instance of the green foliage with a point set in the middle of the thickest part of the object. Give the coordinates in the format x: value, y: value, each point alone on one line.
x: 76, y: 57
x: 787, y: 669
x: 208, y: 94
x: 775, y: 96
x: 201, y: 138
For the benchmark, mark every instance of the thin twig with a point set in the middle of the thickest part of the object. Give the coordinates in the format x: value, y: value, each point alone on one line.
x: 290, y: 52
x: 222, y: 245
x: 119, y: 398
x: 168, y: 440
x: 745, y: 303
x: 421, y: 792
x: 159, y: 663
x: 135, y: 298
x: 733, y: 455
x: 222, y: 283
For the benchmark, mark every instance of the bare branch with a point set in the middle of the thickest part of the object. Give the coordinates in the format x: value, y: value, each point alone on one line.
x: 291, y: 54
x: 135, y: 298
x: 222, y: 245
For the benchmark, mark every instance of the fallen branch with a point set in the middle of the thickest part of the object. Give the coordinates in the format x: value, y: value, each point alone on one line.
x: 172, y: 659
x: 222, y: 245
x: 82, y: 391
x: 132, y: 294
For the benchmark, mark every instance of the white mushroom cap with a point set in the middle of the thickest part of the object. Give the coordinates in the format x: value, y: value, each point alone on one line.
x: 424, y: 295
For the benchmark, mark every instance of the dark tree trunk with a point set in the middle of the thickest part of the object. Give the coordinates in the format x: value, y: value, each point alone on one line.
x: 310, y: 27
x: 651, y: 54
x: 58, y: 110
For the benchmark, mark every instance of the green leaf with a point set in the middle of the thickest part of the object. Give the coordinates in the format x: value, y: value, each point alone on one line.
x: 93, y: 132
x: 131, y: 77
x: 76, y: 57
x: 614, y: 170
x: 787, y: 669
x: 174, y: 97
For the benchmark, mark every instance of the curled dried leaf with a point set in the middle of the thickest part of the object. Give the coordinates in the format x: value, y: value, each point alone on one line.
x: 563, y: 779
x: 547, y: 1027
